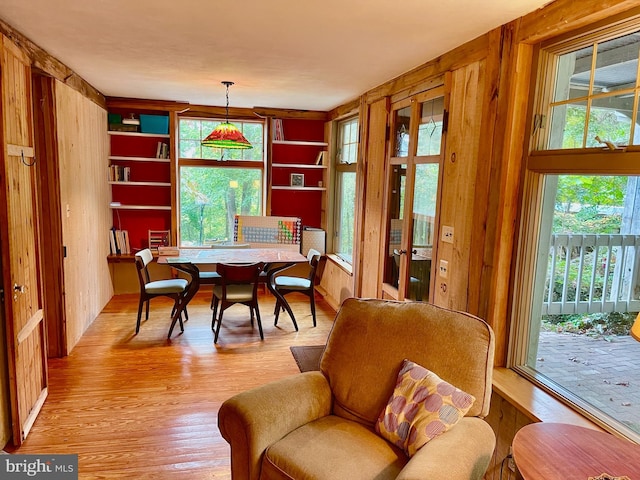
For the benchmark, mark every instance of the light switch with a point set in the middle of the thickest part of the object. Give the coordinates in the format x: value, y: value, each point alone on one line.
x: 444, y: 268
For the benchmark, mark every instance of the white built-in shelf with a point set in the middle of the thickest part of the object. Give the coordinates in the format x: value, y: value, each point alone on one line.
x: 138, y: 134
x: 139, y: 159
x: 300, y: 142
x: 287, y: 187
x: 143, y: 184
x: 297, y: 165
x: 140, y: 207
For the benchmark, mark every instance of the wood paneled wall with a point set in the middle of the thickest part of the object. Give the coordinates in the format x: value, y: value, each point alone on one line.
x: 372, y: 172
x: 86, y: 218
x: 336, y: 284
x: 505, y: 420
x: 460, y: 189
x: 5, y: 399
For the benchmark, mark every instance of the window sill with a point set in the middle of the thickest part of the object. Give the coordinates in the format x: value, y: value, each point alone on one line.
x: 347, y: 267
x: 534, y: 402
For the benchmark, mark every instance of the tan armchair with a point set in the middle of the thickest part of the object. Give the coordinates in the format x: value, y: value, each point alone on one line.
x: 320, y: 425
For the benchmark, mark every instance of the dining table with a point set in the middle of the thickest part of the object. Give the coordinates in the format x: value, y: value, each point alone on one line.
x: 191, y: 260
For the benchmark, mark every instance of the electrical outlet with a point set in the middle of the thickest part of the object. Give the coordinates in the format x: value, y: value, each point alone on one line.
x: 447, y: 234
x: 444, y: 268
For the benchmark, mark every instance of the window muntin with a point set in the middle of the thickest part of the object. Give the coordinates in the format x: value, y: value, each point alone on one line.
x: 345, y: 187
x: 217, y: 184
x: 594, y: 95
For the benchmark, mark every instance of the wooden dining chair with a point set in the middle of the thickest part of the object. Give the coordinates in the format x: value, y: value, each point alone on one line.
x: 213, y: 277
x: 173, y: 288
x: 301, y: 279
x: 239, y: 284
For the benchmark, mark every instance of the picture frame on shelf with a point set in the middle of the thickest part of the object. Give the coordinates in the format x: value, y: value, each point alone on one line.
x: 297, y: 180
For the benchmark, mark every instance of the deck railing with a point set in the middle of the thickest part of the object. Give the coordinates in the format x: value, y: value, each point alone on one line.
x: 592, y: 274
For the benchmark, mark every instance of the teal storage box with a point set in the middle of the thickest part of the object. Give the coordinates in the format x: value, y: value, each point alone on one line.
x: 154, y: 124
x: 115, y: 118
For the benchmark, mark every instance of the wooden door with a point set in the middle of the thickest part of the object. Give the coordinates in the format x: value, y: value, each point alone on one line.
x: 26, y: 347
x: 413, y: 194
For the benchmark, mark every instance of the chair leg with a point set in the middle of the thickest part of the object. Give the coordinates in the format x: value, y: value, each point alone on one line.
x: 147, y: 311
x: 276, y: 312
x: 258, y: 320
x: 139, y: 315
x: 217, y: 332
x: 313, y: 306
x: 287, y: 307
x: 214, y: 301
x: 178, y: 318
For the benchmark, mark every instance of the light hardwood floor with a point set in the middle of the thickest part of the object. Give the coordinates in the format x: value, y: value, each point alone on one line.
x: 145, y: 407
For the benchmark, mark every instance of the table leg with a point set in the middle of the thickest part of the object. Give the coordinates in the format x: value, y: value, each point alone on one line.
x: 280, y: 300
x: 189, y: 293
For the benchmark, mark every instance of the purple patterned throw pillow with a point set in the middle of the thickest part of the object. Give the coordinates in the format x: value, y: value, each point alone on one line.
x: 421, y: 407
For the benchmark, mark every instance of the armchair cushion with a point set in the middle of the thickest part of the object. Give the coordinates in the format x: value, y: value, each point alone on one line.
x: 421, y: 407
x: 333, y: 448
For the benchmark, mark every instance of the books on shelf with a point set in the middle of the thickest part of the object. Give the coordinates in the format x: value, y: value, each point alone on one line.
x: 118, y: 173
x: 119, y: 242
x: 321, y: 156
x: 162, y: 150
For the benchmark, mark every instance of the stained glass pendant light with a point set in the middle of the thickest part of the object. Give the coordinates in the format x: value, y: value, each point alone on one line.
x: 226, y: 135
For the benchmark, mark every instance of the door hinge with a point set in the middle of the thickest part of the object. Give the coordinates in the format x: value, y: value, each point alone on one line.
x: 445, y: 121
x: 64, y: 251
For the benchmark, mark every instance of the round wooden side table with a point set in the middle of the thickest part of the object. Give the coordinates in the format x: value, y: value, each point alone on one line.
x: 557, y: 451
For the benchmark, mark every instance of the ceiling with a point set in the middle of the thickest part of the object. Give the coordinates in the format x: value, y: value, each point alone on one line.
x: 299, y: 54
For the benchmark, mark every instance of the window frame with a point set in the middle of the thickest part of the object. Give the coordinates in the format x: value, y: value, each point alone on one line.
x: 539, y: 164
x: 220, y: 163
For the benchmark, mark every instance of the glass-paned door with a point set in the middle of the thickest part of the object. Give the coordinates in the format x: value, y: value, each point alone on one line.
x: 413, y: 192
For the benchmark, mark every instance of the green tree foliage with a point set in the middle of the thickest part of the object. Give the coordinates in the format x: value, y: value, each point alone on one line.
x: 589, y: 204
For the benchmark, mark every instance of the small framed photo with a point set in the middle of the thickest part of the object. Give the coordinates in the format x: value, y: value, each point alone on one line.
x: 297, y: 180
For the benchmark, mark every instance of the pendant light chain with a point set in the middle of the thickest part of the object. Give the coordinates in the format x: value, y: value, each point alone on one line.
x: 227, y: 84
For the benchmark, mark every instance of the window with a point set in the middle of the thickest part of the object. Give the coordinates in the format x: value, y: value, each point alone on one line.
x: 578, y: 288
x: 594, y: 97
x: 346, y: 161
x: 217, y: 184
